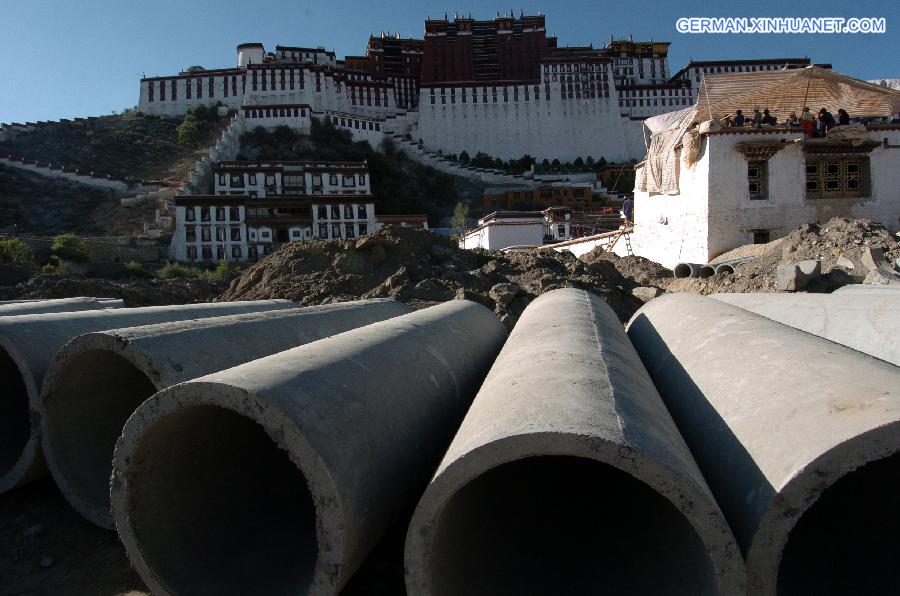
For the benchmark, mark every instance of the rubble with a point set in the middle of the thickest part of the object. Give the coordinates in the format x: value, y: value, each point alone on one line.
x: 421, y: 268
x: 848, y: 250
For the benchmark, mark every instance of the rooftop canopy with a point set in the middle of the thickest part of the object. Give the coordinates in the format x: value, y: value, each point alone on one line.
x: 786, y: 91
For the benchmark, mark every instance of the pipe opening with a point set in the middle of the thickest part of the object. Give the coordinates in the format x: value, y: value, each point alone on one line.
x: 15, y: 422
x: 682, y: 270
x: 218, y: 508
x: 846, y: 543
x: 565, y: 525
x: 706, y: 271
x: 92, y: 397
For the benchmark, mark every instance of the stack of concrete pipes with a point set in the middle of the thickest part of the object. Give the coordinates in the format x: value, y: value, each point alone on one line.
x: 710, y: 450
x: 703, y: 271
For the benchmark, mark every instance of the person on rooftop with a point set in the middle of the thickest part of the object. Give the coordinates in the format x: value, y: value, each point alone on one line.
x: 768, y: 119
x: 793, y: 121
x: 738, y: 119
x: 757, y: 118
x: 808, y: 122
x: 826, y: 122
x: 843, y: 117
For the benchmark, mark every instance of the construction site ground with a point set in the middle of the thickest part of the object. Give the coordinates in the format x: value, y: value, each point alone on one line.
x: 49, y: 549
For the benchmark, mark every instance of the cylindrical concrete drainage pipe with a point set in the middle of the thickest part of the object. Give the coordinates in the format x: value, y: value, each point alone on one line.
x: 35, y: 307
x: 98, y: 379
x: 280, y: 475
x: 865, y: 321
x: 797, y: 436
x: 27, y: 345
x: 686, y: 270
x: 706, y: 271
x: 568, y: 476
x: 728, y: 267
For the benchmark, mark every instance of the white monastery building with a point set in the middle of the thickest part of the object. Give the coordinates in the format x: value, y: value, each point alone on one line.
x: 500, y: 86
x: 704, y: 190
x: 257, y: 206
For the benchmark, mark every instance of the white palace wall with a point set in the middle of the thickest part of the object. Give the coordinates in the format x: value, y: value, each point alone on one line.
x: 549, y: 127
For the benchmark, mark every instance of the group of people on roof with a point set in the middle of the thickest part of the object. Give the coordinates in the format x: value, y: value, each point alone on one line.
x: 813, y: 126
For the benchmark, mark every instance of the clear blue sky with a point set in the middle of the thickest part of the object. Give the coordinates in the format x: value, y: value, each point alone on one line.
x: 70, y: 58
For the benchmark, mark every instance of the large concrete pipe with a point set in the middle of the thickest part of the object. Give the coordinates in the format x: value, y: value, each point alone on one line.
x: 34, y: 307
x: 797, y: 436
x: 867, y: 322
x: 686, y: 270
x: 27, y: 345
x: 728, y: 267
x: 280, y: 475
x: 98, y: 379
x: 568, y: 476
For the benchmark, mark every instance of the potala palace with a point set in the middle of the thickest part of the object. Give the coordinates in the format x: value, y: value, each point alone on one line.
x: 500, y: 86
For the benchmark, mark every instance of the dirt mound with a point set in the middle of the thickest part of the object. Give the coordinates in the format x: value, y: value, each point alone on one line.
x: 135, y: 292
x: 421, y: 268
x: 826, y: 242
x: 638, y: 270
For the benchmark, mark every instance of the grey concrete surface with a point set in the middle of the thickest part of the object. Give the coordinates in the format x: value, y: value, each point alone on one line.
x: 33, y: 307
x: 280, y: 475
x: 98, y: 379
x: 866, y: 322
x: 568, y: 476
x: 780, y: 422
x: 27, y: 345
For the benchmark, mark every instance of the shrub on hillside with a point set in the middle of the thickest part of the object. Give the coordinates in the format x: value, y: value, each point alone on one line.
x: 13, y: 252
x: 135, y: 269
x: 175, y: 270
x: 71, y: 248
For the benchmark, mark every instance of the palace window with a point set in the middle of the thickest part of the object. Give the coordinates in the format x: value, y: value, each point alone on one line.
x: 333, y: 179
x: 190, y: 234
x: 174, y: 89
x: 836, y: 177
x: 205, y: 235
x: 348, y: 231
x: 212, y: 87
x: 237, y: 181
x: 220, y: 237
x: 190, y: 214
x: 363, y: 229
x: 192, y: 253
x: 348, y: 181
x: 348, y: 212
x: 335, y: 231
x: 761, y: 236
x: 251, y: 179
x: 234, y: 213
x: 199, y: 88
x: 150, y: 87
x: 362, y: 179
x: 236, y: 252
x: 758, y: 179
x: 361, y: 212
x: 235, y: 234
x: 204, y: 214
x: 220, y: 213
x: 220, y: 252
x: 207, y: 253
x: 335, y: 212
x: 323, y: 231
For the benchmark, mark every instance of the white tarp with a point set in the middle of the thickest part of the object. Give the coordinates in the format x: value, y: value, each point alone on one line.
x: 660, y: 172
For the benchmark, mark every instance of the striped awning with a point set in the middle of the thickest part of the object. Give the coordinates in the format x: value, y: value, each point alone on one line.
x: 789, y: 90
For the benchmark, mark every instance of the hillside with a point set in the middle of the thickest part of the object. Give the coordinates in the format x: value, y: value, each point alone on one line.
x: 400, y: 185
x: 128, y: 145
x: 44, y: 206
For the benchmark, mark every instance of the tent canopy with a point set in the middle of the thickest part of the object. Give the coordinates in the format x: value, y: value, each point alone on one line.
x: 789, y: 90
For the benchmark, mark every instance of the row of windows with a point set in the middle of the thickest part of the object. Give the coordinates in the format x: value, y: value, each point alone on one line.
x: 723, y: 69
x: 825, y: 178
x: 357, y: 124
x: 291, y: 180
x: 341, y: 231
x: 574, y: 67
x: 267, y: 79
x: 275, y: 113
x: 206, y: 234
x: 634, y: 103
x: 334, y: 212
x: 206, y: 252
x: 234, y: 214
x: 192, y: 87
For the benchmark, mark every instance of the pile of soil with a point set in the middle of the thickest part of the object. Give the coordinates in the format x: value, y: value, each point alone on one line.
x: 636, y: 271
x: 135, y: 292
x: 824, y: 242
x: 421, y: 268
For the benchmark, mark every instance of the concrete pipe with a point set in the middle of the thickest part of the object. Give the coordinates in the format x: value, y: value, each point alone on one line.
x: 568, y: 476
x: 62, y: 305
x: 27, y: 345
x: 867, y: 322
x: 98, y: 379
x: 728, y: 267
x: 797, y: 436
x: 686, y: 270
x: 706, y: 271
x: 280, y: 475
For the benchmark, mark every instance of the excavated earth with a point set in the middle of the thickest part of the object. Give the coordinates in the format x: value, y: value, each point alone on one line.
x: 420, y: 268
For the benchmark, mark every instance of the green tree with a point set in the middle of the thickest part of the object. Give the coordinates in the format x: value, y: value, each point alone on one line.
x: 579, y: 163
x: 194, y: 68
x: 190, y: 132
x: 458, y: 221
x: 69, y: 247
x: 589, y: 161
x: 555, y: 164
x: 13, y: 252
x: 464, y: 157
